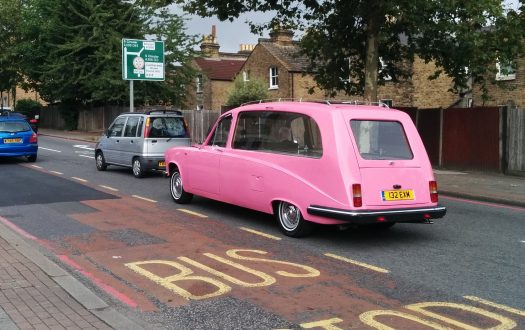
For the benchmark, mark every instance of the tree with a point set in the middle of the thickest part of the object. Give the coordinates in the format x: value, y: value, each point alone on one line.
x: 347, y: 40
x: 72, y: 50
x: 246, y: 91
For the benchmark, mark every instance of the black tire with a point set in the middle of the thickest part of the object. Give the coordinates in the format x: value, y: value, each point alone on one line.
x: 137, y: 168
x: 31, y: 158
x: 177, y: 191
x: 291, y: 220
x: 100, y: 161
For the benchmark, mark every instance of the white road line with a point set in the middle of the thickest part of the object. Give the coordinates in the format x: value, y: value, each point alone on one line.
x: 260, y: 233
x: 107, y: 187
x: 193, y: 213
x: 83, y: 146
x: 86, y: 156
x: 49, y: 149
x: 36, y: 166
x: 79, y: 179
x: 358, y: 263
x: 144, y: 198
x: 59, y: 173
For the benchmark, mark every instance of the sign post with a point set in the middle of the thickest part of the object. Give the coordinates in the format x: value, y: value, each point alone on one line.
x: 142, y: 60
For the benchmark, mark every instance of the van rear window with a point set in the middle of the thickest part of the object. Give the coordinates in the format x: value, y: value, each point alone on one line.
x: 167, y: 127
x: 378, y: 140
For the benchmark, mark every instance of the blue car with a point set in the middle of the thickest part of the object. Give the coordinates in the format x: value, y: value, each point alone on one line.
x: 17, y: 138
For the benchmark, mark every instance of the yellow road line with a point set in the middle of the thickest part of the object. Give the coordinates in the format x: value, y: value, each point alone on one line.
x: 107, y: 187
x: 56, y: 172
x: 79, y: 179
x: 495, y: 305
x: 36, y: 166
x: 144, y: 198
x: 260, y: 233
x: 362, y: 264
x: 193, y: 213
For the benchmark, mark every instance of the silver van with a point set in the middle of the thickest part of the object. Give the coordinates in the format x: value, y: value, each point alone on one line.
x: 139, y: 140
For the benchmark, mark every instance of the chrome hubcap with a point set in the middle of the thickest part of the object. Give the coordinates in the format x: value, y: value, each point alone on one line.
x: 99, y: 160
x: 176, y: 185
x: 289, y: 215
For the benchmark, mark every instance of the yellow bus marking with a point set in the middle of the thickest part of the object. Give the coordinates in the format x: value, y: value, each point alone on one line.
x: 193, y: 213
x: 358, y: 263
x: 260, y: 233
x: 107, y: 187
x: 56, y: 172
x: 144, y: 198
x: 79, y: 179
x: 495, y: 305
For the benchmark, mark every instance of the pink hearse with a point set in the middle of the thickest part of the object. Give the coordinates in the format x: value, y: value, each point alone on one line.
x: 312, y: 162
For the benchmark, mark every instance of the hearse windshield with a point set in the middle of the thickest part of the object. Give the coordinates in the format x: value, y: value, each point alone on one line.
x: 380, y: 140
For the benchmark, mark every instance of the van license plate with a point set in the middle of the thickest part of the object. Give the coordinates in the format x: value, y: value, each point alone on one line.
x: 19, y: 140
x: 162, y: 164
x: 397, y: 195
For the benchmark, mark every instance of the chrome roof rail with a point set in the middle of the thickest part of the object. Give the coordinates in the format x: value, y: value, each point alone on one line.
x: 325, y: 101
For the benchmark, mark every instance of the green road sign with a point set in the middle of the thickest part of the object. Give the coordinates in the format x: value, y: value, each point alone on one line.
x: 142, y: 60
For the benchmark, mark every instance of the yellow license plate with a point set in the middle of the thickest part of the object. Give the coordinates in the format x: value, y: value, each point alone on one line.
x: 19, y: 140
x: 162, y: 164
x: 397, y: 195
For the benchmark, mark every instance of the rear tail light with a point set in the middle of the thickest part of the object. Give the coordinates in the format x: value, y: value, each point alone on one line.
x: 146, y: 128
x: 33, y: 121
x: 33, y: 138
x: 433, y: 191
x: 356, y: 194
x: 186, y: 128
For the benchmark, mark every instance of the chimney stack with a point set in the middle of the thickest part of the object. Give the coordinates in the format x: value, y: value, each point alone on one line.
x: 209, y: 45
x: 281, y: 36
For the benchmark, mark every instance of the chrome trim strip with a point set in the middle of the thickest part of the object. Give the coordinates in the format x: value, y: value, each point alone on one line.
x: 372, y: 213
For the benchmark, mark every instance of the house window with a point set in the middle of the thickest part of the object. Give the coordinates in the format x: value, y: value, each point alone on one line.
x: 246, y: 76
x: 506, y: 70
x: 198, y: 83
x: 274, y: 78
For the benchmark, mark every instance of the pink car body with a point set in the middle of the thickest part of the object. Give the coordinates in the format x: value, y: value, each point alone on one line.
x: 360, y: 165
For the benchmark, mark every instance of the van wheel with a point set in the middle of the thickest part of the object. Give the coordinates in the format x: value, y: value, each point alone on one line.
x: 138, y: 171
x: 100, y: 161
x: 291, y: 220
x: 31, y: 158
x: 177, y: 191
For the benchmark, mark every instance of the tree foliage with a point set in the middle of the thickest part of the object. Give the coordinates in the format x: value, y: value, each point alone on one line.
x: 345, y: 40
x: 9, y: 37
x: 246, y: 91
x: 71, y: 50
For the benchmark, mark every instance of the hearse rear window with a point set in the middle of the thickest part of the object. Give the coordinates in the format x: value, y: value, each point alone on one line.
x: 278, y: 132
x: 378, y: 140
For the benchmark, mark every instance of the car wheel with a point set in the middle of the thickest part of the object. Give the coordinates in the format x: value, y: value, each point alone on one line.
x: 177, y: 190
x: 291, y: 220
x: 31, y: 158
x: 100, y: 161
x: 138, y: 170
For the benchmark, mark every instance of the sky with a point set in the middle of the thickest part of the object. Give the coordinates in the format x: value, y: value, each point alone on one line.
x: 231, y: 34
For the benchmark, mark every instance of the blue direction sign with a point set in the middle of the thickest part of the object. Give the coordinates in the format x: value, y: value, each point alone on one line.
x: 142, y: 60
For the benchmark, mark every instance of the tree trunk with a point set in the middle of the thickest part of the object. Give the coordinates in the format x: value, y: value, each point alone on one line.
x: 372, y: 53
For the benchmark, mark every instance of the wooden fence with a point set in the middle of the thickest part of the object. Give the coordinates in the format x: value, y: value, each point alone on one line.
x: 514, y: 162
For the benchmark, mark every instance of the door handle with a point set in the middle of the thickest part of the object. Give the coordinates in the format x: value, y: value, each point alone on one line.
x: 154, y: 141
x: 131, y: 141
x: 118, y: 141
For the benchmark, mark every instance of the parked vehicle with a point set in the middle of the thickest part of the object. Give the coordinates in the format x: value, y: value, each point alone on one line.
x: 139, y: 140
x: 17, y: 139
x: 308, y: 162
x: 32, y: 120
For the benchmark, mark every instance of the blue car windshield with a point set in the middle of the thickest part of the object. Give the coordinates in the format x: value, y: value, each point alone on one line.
x: 14, y: 126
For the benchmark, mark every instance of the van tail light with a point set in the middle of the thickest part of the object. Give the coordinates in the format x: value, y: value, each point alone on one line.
x: 186, y: 128
x: 433, y: 191
x: 356, y: 194
x: 147, y: 128
x: 33, y: 138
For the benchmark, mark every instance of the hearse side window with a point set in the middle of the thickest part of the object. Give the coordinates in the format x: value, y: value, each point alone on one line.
x: 117, y: 127
x: 278, y: 132
x: 379, y: 140
x: 220, y: 135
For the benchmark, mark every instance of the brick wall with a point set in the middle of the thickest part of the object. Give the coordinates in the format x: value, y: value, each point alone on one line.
x: 220, y: 90
x: 501, y: 92
x: 431, y: 93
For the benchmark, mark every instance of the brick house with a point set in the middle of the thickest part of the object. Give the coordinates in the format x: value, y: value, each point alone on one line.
x: 277, y: 62
x: 506, y: 88
x: 9, y: 99
x: 216, y: 72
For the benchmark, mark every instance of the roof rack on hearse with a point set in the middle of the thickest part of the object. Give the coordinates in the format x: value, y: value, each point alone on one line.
x: 326, y: 101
